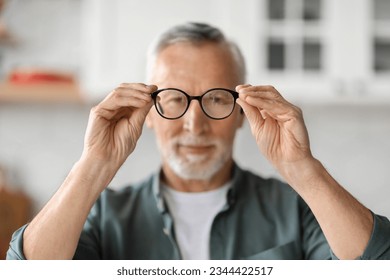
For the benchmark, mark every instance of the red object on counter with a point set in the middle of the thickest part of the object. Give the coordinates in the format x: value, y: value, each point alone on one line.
x: 37, y: 76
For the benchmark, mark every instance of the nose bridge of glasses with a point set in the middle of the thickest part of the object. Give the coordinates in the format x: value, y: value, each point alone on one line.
x: 199, y: 106
x: 196, y: 97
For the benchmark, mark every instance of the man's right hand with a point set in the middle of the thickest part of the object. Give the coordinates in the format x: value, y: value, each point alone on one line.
x: 114, y: 127
x: 115, y: 124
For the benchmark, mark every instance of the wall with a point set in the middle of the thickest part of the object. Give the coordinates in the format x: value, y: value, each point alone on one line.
x: 47, y: 35
x: 39, y: 143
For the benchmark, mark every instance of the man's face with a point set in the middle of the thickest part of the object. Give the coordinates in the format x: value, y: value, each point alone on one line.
x: 195, y: 146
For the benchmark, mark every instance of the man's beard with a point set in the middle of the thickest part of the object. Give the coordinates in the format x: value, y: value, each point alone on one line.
x: 193, y: 166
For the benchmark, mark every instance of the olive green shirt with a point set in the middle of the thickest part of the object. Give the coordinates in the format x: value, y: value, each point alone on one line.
x: 262, y: 219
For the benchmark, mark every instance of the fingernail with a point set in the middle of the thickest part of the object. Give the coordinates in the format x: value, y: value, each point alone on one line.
x: 243, y: 86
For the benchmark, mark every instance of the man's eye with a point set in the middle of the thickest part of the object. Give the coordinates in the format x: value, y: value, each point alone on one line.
x: 174, y: 100
x: 220, y: 99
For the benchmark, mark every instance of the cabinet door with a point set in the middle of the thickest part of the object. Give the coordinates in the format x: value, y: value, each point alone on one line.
x: 379, y: 14
x: 295, y: 47
x: 327, y: 50
x: 319, y: 50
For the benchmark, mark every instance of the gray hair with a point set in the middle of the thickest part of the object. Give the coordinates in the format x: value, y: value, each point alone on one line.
x: 195, y: 33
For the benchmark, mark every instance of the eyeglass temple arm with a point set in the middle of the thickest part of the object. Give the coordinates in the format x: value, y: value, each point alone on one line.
x: 160, y: 107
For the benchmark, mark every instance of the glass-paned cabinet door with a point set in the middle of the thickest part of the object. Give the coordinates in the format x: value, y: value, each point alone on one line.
x: 381, y: 50
x: 294, y: 47
x: 330, y: 49
x: 381, y: 42
x: 294, y: 39
x: 380, y: 59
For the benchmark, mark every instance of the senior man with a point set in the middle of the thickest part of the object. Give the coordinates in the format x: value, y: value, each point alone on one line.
x: 200, y: 205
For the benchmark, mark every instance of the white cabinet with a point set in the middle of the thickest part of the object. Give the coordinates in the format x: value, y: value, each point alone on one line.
x: 317, y: 50
x: 326, y: 50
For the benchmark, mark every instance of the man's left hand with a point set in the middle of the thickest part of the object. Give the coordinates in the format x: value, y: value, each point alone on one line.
x: 276, y: 124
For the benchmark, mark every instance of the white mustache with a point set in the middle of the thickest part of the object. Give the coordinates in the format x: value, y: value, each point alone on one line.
x: 194, y: 141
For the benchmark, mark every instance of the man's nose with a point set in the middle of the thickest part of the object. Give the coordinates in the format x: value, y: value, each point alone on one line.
x: 195, y: 120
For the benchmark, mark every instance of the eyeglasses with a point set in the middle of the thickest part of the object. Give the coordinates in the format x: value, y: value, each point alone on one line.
x: 216, y: 103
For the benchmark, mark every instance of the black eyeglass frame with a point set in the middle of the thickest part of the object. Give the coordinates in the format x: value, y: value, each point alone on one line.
x: 190, y: 98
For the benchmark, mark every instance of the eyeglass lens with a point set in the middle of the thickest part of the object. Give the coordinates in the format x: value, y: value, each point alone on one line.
x: 217, y: 103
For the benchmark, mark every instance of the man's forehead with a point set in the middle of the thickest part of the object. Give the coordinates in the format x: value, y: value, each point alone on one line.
x: 183, y: 48
x: 185, y: 61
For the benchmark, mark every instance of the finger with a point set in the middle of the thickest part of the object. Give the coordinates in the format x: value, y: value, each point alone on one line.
x: 266, y: 92
x: 130, y: 94
x: 252, y: 113
x: 139, y: 86
x: 265, y: 97
x: 239, y: 87
x: 277, y: 110
x: 249, y: 87
x: 132, y: 101
x: 125, y: 97
x: 137, y: 119
x: 110, y: 109
x: 262, y: 103
x: 270, y: 101
x: 139, y: 116
x: 127, y: 89
x: 124, y: 101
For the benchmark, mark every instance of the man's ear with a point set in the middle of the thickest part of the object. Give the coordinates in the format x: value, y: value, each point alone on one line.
x: 241, y: 118
x: 149, y: 120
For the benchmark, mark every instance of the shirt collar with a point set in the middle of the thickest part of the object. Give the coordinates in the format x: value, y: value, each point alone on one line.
x: 231, y: 195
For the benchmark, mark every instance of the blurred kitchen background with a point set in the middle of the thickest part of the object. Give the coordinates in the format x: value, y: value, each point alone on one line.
x: 60, y: 57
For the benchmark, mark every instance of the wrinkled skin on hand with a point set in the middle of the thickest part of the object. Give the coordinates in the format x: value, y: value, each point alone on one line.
x: 115, y: 124
x: 277, y: 125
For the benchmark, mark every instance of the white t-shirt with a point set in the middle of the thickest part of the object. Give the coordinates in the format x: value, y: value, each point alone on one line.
x: 193, y: 215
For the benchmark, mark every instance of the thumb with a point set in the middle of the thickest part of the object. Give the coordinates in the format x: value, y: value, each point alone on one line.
x: 138, y: 117
x: 252, y: 113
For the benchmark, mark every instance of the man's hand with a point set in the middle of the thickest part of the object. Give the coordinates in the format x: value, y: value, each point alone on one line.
x: 114, y: 127
x: 277, y: 125
x: 282, y: 137
x: 115, y: 124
